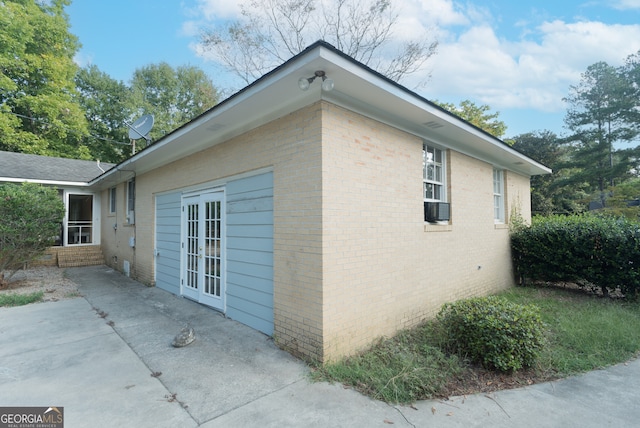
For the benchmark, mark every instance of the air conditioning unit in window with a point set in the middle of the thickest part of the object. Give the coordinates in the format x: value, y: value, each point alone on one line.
x: 437, y: 211
x: 131, y: 218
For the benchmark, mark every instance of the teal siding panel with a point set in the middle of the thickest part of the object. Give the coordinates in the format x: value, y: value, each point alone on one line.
x: 249, y: 209
x: 251, y: 205
x: 250, y: 184
x: 251, y: 256
x: 166, y: 229
x: 253, y: 321
x: 250, y: 218
x: 168, y: 242
x: 250, y: 231
x: 251, y: 288
x: 253, y: 194
x: 262, y: 312
x: 260, y: 244
x: 258, y: 271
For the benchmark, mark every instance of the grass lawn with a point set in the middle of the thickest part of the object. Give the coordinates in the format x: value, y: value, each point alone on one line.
x: 15, y: 299
x: 584, y: 332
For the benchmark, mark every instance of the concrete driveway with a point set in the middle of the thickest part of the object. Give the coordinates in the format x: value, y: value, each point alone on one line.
x: 107, y: 359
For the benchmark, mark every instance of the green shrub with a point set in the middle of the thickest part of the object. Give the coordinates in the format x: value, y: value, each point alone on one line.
x: 493, y: 332
x: 31, y: 216
x: 587, y: 249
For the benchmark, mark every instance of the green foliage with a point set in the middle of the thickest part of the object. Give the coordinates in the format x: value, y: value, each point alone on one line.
x: 20, y: 299
x: 598, y: 117
x: 602, y: 251
x: 555, y: 193
x: 402, y: 369
x: 31, y: 215
x: 173, y: 96
x: 584, y: 332
x: 478, y: 116
x: 620, y: 196
x: 38, y: 112
x: 631, y: 73
x: 494, y: 332
x: 603, y: 114
x: 107, y: 107
x: 50, y: 107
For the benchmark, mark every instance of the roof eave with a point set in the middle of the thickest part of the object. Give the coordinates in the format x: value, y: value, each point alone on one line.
x: 357, y: 87
x: 44, y: 182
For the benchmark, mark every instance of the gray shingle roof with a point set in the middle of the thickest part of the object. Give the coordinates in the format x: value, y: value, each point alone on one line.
x: 34, y: 167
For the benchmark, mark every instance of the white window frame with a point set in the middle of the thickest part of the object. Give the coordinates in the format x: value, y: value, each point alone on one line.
x: 434, y: 174
x: 131, y: 201
x: 498, y: 195
x: 112, y: 200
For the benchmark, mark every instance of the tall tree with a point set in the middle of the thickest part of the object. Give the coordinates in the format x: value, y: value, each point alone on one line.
x: 595, y: 116
x: 479, y: 116
x: 559, y: 192
x: 38, y: 111
x: 272, y: 31
x: 631, y: 73
x: 173, y: 96
x: 108, y: 106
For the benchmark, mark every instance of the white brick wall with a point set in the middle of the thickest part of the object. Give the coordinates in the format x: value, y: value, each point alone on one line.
x: 353, y: 259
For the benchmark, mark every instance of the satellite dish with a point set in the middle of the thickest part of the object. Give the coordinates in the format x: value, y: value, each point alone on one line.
x: 141, y: 127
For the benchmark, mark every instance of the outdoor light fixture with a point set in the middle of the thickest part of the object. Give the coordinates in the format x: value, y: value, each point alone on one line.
x: 305, y: 82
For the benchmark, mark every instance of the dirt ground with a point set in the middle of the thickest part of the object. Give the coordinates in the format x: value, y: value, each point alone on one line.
x: 50, y: 280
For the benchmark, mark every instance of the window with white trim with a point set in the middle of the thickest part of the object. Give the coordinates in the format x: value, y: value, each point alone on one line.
x: 498, y: 195
x: 131, y: 201
x: 112, y: 200
x: 433, y: 174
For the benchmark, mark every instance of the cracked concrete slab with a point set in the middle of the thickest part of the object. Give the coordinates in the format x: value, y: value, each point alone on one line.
x: 107, y: 359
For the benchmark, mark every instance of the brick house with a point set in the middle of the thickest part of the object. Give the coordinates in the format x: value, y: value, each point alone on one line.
x: 78, y: 243
x: 326, y: 213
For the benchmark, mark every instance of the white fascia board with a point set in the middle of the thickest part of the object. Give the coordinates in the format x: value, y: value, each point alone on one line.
x: 45, y: 182
x: 393, y: 90
x: 226, y: 107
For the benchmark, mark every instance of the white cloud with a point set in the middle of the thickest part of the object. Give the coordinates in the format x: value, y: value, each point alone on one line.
x: 532, y: 71
x: 212, y: 10
x: 204, y: 13
x: 535, y: 72
x: 434, y: 12
x: 83, y: 59
x: 626, y: 4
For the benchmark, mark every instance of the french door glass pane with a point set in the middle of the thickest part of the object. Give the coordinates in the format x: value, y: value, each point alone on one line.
x: 212, y: 248
x: 192, y: 246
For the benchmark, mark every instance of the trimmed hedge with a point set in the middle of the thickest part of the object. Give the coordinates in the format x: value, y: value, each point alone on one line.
x: 590, y: 250
x: 494, y: 332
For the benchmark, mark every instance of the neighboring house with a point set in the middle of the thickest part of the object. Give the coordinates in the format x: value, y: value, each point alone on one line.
x: 81, y: 224
x: 325, y: 218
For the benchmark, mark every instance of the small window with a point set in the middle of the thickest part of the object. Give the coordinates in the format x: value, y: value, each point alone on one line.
x: 436, y: 209
x: 131, y: 200
x: 112, y: 200
x: 433, y: 174
x: 498, y: 195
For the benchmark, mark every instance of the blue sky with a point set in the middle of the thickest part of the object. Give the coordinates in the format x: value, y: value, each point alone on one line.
x: 517, y: 57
